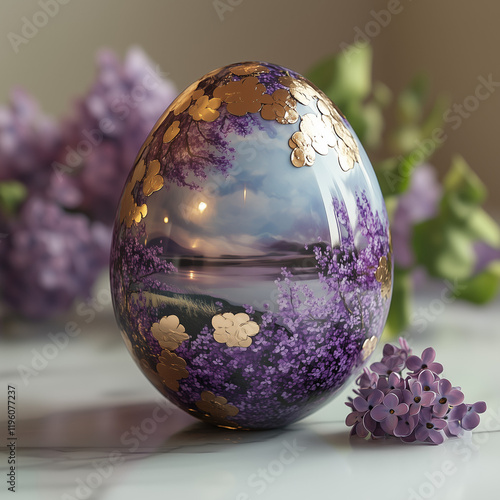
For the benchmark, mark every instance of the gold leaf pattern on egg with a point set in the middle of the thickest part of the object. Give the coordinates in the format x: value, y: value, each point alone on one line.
x: 369, y: 346
x: 383, y: 276
x: 248, y: 69
x: 152, y: 182
x: 171, y: 368
x: 243, y: 96
x: 216, y: 406
x: 171, y: 132
x: 205, y: 109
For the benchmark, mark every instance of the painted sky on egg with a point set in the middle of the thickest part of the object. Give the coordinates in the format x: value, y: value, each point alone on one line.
x: 264, y: 199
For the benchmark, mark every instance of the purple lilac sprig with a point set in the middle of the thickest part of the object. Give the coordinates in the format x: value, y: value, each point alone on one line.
x: 416, y: 406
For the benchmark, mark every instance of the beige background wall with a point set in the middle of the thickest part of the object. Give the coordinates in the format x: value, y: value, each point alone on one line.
x: 456, y: 41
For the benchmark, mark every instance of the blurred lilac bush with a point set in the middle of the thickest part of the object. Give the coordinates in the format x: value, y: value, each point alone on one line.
x: 60, y: 183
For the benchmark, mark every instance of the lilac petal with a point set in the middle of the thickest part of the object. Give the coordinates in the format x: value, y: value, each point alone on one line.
x: 428, y: 356
x: 389, y: 424
x: 378, y: 432
x: 375, y: 398
x: 470, y: 421
x: 360, y: 404
x: 454, y: 428
x: 455, y: 397
x: 413, y: 363
x: 427, y: 379
x: 379, y: 368
x: 439, y: 409
x: 439, y: 423
x: 479, y: 407
x: 361, y: 431
x: 401, y: 409
x: 436, y: 436
x: 353, y: 418
x: 427, y: 398
x: 458, y: 412
x: 391, y: 400
x: 421, y: 432
x: 437, y: 368
x: 444, y: 386
x: 379, y: 413
x: 369, y: 423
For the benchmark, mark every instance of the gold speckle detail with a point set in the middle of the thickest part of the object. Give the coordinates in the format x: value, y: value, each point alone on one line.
x: 383, y: 276
x: 152, y: 182
x: 369, y: 346
x: 234, y: 330
x: 171, y: 368
x: 169, y: 333
x: 216, y: 406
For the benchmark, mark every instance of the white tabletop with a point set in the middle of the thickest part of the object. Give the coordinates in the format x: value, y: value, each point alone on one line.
x: 89, y: 425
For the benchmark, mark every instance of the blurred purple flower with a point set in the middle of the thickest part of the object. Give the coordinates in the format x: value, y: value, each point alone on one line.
x: 50, y: 258
x: 108, y: 128
x: 418, y: 203
x: 428, y: 381
x: 426, y: 362
x: 28, y: 142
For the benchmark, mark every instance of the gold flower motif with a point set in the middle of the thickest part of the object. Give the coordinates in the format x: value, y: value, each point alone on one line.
x: 243, y: 96
x: 169, y: 332
x: 171, y: 368
x: 152, y: 182
x: 171, y: 132
x: 351, y: 148
x: 183, y: 100
x: 130, y: 212
x: 282, y: 108
x: 216, y: 406
x: 383, y: 276
x: 205, y: 109
x: 248, y: 69
x: 234, y: 330
x: 320, y: 133
x: 368, y: 347
x: 300, y: 89
x: 346, y: 160
x: 303, y: 153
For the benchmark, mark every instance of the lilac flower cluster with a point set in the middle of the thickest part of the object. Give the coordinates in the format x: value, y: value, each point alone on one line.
x: 57, y: 241
x: 420, y: 406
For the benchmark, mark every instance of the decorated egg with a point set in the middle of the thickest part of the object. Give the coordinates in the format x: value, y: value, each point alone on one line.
x: 251, y: 260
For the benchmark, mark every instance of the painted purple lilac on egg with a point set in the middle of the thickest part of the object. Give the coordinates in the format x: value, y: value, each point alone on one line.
x: 251, y: 266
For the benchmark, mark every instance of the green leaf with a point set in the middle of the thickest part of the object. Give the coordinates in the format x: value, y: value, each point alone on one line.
x: 483, y: 227
x: 12, y: 194
x: 399, y: 312
x: 463, y: 182
x: 443, y: 249
x: 480, y: 288
x: 345, y: 76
